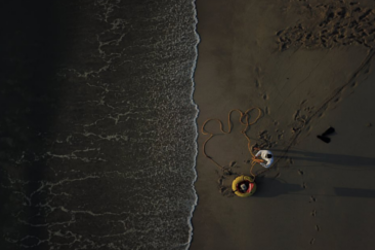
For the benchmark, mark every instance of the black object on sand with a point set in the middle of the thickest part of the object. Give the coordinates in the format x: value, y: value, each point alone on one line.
x: 324, y: 137
x: 329, y: 131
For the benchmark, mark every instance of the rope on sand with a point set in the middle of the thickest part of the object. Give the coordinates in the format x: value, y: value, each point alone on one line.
x: 245, y: 120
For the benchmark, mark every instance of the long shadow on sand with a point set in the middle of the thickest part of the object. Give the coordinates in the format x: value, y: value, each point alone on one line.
x: 270, y: 187
x: 273, y: 187
x: 354, y: 192
x: 335, y: 159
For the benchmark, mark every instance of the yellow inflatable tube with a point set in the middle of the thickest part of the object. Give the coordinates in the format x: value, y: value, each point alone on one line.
x: 244, y: 186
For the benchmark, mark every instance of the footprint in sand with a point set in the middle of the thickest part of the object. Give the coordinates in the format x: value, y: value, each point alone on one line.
x: 220, y: 181
x: 312, y: 199
x: 232, y: 164
x: 313, y: 213
x: 312, y: 241
x: 257, y: 83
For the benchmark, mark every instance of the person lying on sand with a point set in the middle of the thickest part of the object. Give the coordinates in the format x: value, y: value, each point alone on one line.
x: 266, y: 156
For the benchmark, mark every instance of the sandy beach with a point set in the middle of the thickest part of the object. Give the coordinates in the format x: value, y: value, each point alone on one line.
x: 308, y: 65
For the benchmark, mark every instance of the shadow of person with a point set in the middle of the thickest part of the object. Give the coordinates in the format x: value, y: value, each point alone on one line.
x: 354, y: 192
x: 335, y: 159
x: 270, y: 187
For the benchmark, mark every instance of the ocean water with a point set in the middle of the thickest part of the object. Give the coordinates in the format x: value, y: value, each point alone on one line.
x: 98, y: 132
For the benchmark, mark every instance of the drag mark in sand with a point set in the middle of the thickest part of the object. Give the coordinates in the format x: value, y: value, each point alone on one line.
x: 305, y: 114
x: 358, y: 76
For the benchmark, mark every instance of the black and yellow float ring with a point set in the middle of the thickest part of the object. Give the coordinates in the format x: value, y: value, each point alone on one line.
x: 249, y: 181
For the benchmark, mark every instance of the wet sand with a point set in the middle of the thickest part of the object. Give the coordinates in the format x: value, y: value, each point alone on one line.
x: 308, y: 66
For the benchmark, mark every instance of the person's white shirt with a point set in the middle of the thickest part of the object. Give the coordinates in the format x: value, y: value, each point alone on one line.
x: 263, y: 154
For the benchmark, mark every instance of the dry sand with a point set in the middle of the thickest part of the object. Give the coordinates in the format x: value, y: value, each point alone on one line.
x: 308, y: 65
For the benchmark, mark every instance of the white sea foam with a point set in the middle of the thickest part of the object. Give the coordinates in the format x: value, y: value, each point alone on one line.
x: 196, y: 125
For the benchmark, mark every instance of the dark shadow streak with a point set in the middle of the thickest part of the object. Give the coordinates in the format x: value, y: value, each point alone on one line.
x: 270, y: 187
x: 336, y: 159
x: 355, y: 192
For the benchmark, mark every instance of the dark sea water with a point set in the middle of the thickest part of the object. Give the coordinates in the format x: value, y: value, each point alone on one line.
x: 97, y: 124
